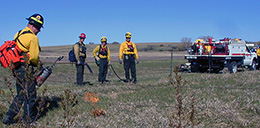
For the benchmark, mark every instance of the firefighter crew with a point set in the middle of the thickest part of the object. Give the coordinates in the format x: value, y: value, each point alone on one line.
x: 102, y: 57
x: 128, y: 55
x: 81, y: 58
x: 29, y: 44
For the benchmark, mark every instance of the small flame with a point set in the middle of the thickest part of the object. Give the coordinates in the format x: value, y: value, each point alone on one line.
x: 92, y: 97
x: 98, y: 112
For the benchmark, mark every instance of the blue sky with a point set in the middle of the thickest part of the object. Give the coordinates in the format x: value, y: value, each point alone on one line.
x: 147, y: 20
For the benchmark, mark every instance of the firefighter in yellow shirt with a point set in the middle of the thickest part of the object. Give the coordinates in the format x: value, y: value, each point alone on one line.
x: 102, y: 56
x: 128, y: 55
x: 28, y: 42
x: 81, y: 58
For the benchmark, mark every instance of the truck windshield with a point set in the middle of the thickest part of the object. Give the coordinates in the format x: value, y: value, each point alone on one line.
x: 247, y: 49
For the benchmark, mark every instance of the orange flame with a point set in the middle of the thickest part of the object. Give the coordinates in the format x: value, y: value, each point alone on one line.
x: 92, y: 97
x: 98, y: 112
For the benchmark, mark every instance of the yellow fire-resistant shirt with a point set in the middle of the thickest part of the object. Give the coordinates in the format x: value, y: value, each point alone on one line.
x: 97, y: 50
x: 77, y: 51
x: 31, y: 45
x: 124, y: 49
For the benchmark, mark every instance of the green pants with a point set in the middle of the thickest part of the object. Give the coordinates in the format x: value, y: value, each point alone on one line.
x: 29, y: 101
x: 129, y: 64
x: 80, y: 72
x: 103, y: 67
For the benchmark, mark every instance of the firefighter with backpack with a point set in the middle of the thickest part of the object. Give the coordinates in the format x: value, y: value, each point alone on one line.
x: 128, y: 55
x: 102, y: 57
x: 81, y: 58
x: 28, y: 42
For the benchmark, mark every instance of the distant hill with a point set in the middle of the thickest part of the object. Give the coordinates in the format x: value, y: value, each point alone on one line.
x: 145, y: 50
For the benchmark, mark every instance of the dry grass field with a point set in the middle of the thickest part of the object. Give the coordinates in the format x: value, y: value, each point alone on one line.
x: 220, y: 100
x: 146, y: 51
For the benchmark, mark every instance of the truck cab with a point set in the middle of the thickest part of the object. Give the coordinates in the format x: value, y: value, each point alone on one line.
x: 239, y: 48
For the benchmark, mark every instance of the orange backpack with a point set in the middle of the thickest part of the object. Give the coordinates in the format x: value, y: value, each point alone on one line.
x: 10, y: 54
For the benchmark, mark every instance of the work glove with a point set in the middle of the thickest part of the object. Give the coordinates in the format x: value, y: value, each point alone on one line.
x: 78, y: 62
x: 97, y: 58
x: 120, y: 61
x: 108, y: 63
x: 137, y: 61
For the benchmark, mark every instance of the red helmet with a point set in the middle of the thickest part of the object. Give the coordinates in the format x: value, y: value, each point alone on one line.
x: 82, y: 36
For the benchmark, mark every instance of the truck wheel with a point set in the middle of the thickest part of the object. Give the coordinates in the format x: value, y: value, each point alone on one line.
x: 253, y: 67
x: 232, y: 67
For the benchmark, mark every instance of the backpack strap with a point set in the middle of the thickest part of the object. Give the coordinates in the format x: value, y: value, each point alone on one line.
x: 99, y: 48
x: 99, y: 51
x: 20, y: 35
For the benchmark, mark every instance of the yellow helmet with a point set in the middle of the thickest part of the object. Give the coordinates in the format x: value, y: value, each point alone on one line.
x: 128, y: 35
x: 199, y: 40
x: 103, y: 39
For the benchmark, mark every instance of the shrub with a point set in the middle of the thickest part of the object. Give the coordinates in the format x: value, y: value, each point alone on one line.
x: 183, y: 117
x: 69, y: 100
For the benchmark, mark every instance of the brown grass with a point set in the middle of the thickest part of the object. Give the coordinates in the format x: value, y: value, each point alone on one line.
x: 221, y: 100
x: 49, y: 53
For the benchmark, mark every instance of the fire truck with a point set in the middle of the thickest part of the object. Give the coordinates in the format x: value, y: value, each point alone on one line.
x: 214, y: 56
